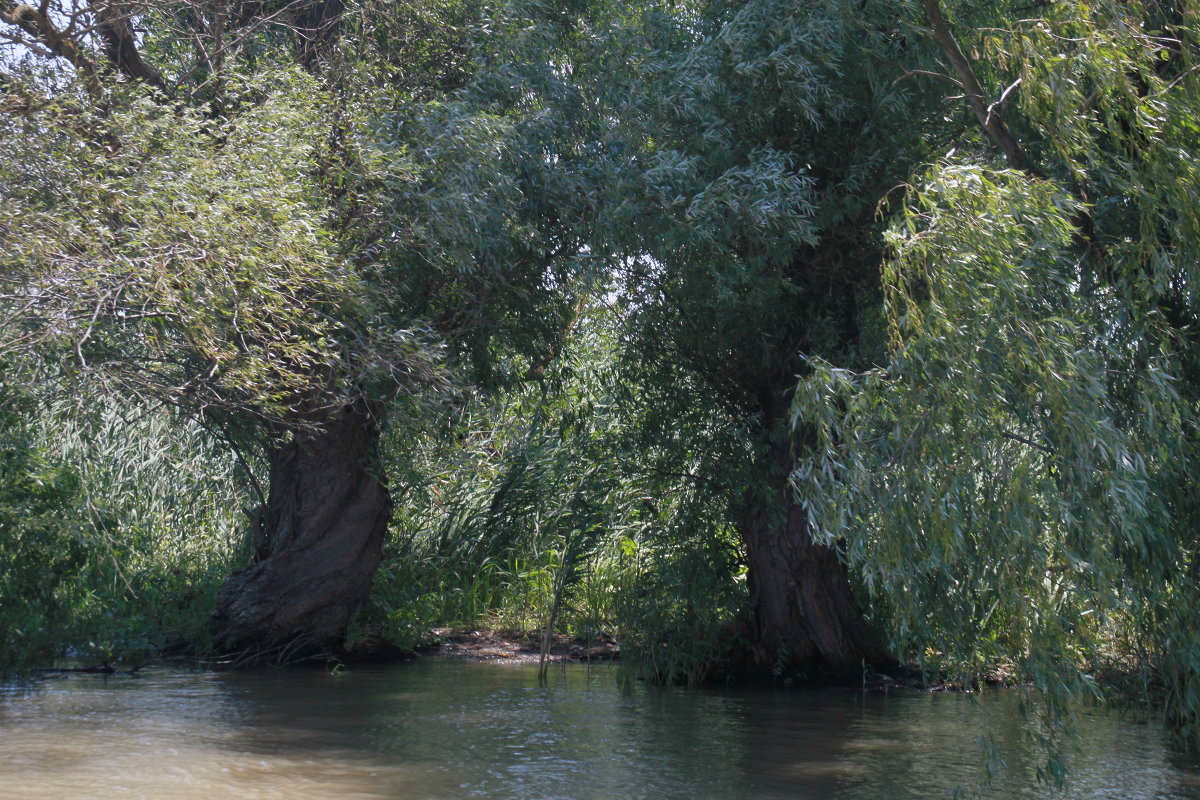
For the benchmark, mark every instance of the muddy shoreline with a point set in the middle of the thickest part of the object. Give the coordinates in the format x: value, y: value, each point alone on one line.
x: 516, y: 648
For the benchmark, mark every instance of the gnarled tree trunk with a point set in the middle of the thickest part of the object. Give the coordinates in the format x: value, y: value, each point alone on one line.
x: 322, y: 540
x: 804, y: 615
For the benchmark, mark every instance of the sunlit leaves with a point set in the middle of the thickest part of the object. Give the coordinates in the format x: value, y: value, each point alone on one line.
x: 990, y: 484
x: 199, y: 245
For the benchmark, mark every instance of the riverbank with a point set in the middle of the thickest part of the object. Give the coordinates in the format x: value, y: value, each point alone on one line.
x: 515, y: 647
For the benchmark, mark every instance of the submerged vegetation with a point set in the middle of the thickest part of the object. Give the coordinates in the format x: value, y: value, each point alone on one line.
x: 795, y: 341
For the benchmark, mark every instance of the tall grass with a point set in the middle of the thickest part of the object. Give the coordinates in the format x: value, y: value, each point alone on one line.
x: 124, y: 517
x: 538, y: 511
x: 542, y: 512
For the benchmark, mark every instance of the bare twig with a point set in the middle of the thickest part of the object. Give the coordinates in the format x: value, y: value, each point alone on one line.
x: 930, y: 73
x: 1029, y: 443
x: 57, y: 40
x: 1003, y: 97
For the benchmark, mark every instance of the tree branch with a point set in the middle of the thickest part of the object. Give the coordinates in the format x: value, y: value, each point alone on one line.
x: 37, y: 24
x: 1029, y: 443
x: 914, y: 72
x: 989, y: 118
x: 120, y: 45
x: 992, y: 121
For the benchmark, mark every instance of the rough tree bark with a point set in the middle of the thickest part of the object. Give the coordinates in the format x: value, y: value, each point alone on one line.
x: 114, y: 24
x: 804, y: 615
x: 328, y: 506
x: 322, y: 538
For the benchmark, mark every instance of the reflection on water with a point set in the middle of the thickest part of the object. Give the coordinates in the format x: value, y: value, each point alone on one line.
x: 440, y: 729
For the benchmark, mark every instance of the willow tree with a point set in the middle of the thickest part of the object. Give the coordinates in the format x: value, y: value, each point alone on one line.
x: 1017, y: 480
x: 770, y: 147
x: 763, y: 136
x: 214, y: 205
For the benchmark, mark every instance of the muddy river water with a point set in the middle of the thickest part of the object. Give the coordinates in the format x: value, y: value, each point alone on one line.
x: 449, y: 729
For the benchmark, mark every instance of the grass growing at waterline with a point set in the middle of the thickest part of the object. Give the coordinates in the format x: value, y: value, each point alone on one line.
x: 119, y: 522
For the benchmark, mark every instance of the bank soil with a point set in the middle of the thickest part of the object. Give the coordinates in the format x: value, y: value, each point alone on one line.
x: 516, y: 647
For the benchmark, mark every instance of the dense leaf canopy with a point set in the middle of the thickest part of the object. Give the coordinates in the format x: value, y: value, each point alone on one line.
x: 910, y: 283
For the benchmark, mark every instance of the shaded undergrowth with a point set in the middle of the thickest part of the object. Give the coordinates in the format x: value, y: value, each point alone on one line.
x: 119, y: 523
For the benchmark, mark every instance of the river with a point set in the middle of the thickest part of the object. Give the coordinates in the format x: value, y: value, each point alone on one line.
x: 450, y: 729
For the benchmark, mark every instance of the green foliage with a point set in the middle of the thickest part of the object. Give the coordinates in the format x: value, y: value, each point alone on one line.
x: 988, y: 470
x: 995, y: 419
x: 508, y: 502
x: 544, y: 506
x: 1028, y: 438
x: 680, y: 594
x: 762, y: 154
x: 40, y: 545
x: 119, y: 524
x: 198, y: 247
x: 485, y: 200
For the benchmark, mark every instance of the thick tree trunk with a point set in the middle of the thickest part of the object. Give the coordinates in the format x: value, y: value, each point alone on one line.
x: 323, y: 529
x: 804, y: 615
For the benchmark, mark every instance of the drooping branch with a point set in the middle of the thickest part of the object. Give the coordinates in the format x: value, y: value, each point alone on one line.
x: 990, y: 117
